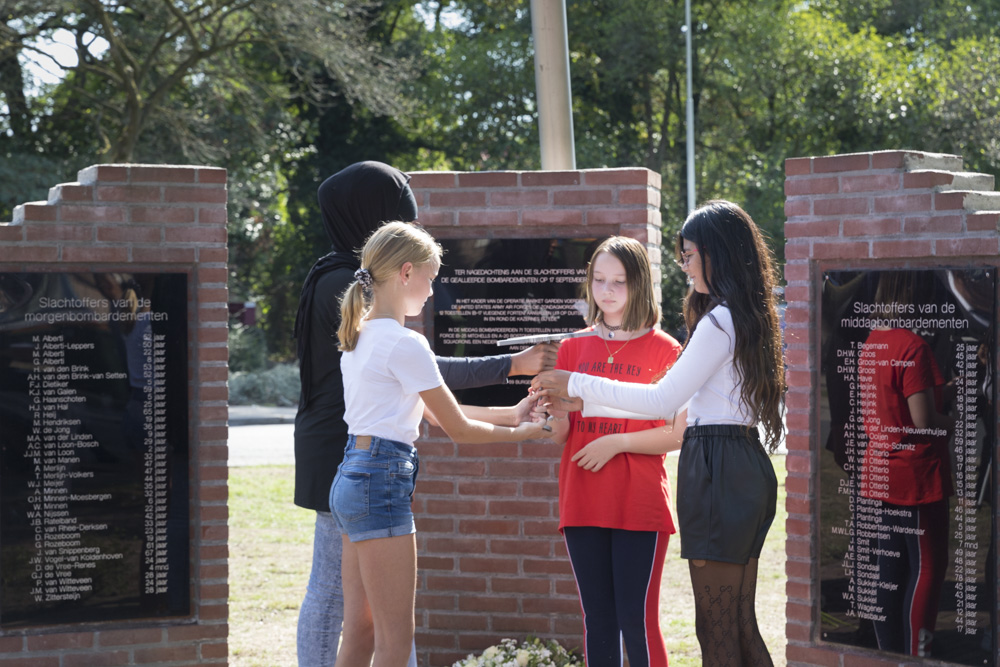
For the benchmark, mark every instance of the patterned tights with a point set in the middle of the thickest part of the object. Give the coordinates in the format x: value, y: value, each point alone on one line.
x: 725, y: 621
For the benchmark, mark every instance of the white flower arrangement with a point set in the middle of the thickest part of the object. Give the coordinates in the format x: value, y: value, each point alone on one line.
x: 532, y: 652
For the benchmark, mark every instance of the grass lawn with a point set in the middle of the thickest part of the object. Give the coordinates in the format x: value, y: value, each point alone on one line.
x: 677, y: 600
x: 270, y: 551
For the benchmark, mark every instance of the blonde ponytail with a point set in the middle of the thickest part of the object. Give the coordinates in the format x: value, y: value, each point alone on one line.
x: 352, y: 311
x: 385, y: 252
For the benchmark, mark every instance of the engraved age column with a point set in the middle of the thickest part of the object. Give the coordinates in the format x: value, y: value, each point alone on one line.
x: 113, y: 408
x: 891, y: 349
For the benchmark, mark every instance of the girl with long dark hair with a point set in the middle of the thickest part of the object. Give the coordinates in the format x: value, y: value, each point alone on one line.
x: 730, y: 377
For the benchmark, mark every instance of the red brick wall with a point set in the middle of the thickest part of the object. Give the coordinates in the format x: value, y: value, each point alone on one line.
x: 895, y: 209
x: 492, y: 563
x: 148, y: 218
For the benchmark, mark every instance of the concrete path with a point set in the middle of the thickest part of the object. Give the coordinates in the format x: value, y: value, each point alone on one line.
x: 261, y: 435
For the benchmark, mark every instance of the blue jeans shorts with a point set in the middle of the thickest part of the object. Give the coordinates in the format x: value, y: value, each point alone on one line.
x: 372, y: 492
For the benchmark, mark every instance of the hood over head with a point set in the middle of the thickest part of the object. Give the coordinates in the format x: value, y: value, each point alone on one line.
x: 358, y: 199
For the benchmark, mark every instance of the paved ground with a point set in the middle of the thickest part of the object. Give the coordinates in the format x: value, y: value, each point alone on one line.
x: 260, y: 435
x: 255, y: 415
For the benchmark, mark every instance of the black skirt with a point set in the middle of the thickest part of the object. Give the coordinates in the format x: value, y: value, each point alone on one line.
x: 726, y: 493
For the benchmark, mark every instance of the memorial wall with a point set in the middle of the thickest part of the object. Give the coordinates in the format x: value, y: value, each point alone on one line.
x: 490, y: 290
x: 492, y: 561
x: 93, y: 447
x: 908, y: 417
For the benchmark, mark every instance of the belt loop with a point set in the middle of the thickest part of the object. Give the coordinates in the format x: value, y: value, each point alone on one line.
x: 697, y: 419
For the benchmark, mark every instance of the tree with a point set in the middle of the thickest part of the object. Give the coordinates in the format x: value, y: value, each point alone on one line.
x: 136, y: 61
x: 285, y: 94
x: 773, y: 79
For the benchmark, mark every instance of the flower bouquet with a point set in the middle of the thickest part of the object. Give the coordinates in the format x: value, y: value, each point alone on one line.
x: 532, y: 652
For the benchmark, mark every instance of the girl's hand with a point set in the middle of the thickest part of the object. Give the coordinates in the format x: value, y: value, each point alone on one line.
x: 540, y: 411
x: 557, y: 421
x: 526, y: 409
x: 598, y: 452
x: 551, y: 383
x: 567, y: 404
x: 531, y: 431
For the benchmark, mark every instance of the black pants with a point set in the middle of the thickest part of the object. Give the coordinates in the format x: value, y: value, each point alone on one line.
x: 618, y: 576
x: 913, y: 558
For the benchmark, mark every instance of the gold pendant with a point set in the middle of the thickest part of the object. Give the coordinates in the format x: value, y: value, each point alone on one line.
x: 611, y: 360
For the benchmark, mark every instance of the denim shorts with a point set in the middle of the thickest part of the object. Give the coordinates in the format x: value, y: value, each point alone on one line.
x: 371, y: 494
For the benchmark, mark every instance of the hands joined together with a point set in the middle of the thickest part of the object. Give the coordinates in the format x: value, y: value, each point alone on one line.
x: 548, y: 401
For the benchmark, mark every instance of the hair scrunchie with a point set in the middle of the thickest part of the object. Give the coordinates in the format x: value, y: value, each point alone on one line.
x: 364, y: 278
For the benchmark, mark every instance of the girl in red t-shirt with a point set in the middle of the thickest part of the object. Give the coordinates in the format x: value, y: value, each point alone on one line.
x: 906, y: 482
x: 614, y: 496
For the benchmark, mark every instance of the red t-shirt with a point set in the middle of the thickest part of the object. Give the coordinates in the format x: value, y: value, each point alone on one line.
x: 903, y: 465
x: 631, y: 491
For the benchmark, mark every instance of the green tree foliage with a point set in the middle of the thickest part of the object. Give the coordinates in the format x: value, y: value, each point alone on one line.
x: 479, y: 84
x: 285, y: 94
x: 836, y: 77
x: 234, y: 83
x: 183, y: 80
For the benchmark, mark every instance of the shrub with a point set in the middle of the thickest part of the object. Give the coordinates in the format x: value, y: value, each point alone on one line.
x: 274, y: 386
x: 247, y: 348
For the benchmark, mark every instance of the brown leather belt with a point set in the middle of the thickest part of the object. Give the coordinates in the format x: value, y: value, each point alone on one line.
x: 362, y: 441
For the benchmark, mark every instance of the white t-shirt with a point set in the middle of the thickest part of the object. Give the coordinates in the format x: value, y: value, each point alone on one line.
x: 383, y: 378
x: 704, y: 378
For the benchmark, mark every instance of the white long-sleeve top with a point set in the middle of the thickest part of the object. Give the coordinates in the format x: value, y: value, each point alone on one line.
x: 704, y: 378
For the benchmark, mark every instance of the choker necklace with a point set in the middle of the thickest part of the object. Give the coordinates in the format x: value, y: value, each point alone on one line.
x: 611, y: 330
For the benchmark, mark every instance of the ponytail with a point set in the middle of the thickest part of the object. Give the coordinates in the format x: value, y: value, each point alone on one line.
x: 352, y: 311
x: 385, y: 251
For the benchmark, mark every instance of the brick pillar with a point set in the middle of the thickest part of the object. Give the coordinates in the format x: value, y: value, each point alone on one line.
x: 136, y: 218
x: 885, y: 209
x: 492, y: 562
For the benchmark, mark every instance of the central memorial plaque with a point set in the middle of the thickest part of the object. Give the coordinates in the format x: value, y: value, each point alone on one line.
x: 491, y: 289
x: 908, y: 416
x: 94, y: 447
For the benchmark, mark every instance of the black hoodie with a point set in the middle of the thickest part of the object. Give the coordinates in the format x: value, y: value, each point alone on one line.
x: 355, y: 202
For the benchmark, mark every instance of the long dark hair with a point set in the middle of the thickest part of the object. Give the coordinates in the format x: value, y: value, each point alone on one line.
x: 740, y: 273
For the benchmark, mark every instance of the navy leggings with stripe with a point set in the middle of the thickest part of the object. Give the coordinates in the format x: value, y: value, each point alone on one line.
x: 919, y: 534
x: 618, y: 576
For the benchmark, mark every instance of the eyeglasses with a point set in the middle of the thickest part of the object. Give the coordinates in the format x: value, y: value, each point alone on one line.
x: 686, y: 258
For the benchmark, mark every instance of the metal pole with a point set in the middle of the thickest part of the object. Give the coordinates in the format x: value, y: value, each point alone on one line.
x: 690, y: 108
x: 555, y: 105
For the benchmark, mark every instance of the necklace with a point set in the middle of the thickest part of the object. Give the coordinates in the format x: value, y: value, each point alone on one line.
x: 611, y: 356
x: 611, y: 329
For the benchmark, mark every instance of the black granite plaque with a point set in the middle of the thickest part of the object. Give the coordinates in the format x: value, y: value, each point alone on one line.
x: 94, y: 447
x: 491, y: 289
x: 907, y: 549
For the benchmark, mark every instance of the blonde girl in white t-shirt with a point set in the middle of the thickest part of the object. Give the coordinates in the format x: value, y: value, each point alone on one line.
x: 391, y: 381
